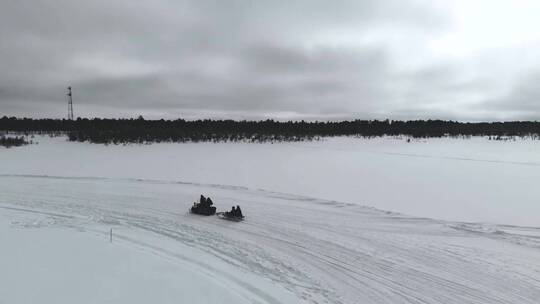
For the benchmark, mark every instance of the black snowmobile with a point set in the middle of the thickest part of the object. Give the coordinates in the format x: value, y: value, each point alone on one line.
x: 234, y: 215
x: 227, y: 216
x: 204, y: 207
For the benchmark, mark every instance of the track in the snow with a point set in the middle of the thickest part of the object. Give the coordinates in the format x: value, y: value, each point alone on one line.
x: 322, y: 251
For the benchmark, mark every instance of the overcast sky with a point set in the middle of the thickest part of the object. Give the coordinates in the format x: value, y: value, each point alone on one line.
x: 400, y: 59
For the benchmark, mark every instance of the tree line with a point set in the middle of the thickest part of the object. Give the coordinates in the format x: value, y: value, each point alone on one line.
x: 15, y: 141
x: 139, y: 130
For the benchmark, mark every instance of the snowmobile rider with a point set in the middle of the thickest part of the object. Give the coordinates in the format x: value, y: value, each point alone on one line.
x: 202, y: 200
x: 205, y: 201
x: 238, y: 211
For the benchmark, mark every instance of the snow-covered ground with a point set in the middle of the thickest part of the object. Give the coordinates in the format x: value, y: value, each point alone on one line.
x: 307, y: 238
x: 42, y: 262
x: 474, y: 180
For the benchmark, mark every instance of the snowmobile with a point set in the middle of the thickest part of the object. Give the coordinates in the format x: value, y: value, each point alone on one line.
x: 230, y: 217
x: 204, y: 207
x: 203, y: 210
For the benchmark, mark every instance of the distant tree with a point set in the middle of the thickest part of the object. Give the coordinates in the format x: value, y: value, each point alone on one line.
x: 16, y: 141
x: 121, y: 131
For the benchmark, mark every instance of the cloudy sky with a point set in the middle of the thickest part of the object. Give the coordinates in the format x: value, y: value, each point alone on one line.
x: 468, y: 60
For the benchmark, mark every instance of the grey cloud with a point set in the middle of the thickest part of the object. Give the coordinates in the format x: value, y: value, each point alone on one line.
x: 525, y: 96
x: 521, y: 102
x: 219, y: 58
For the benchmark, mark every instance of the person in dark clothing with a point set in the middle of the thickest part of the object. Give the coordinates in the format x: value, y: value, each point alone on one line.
x: 204, y: 206
x: 232, y: 212
x: 238, y: 211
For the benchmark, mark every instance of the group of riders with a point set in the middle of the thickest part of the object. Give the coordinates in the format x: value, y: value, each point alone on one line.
x: 235, y: 212
x: 204, y: 207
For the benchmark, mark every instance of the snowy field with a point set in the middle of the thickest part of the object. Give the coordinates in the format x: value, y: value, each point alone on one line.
x: 474, y: 180
x: 469, y: 235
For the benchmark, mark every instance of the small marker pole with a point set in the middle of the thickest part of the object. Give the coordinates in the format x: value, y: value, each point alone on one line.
x: 111, y: 235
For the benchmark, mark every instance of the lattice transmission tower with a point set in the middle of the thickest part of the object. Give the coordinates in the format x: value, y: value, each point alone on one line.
x: 70, y: 104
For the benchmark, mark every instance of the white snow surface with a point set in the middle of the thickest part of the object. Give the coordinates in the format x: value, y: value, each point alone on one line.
x: 59, y: 200
x: 473, y: 180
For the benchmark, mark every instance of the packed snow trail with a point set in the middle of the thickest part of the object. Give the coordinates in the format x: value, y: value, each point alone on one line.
x: 318, y: 251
